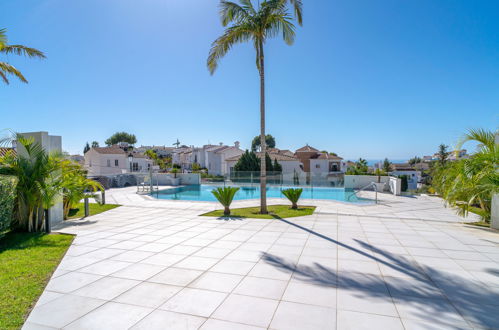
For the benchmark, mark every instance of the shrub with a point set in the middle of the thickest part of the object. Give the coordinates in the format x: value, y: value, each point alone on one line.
x: 403, y: 184
x: 293, y: 194
x: 7, y: 197
x: 225, y: 196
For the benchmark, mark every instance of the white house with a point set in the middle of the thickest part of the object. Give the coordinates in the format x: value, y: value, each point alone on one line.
x: 290, y: 164
x: 161, y: 151
x: 413, y: 175
x: 211, y: 157
x: 216, y: 158
x: 327, y: 163
x: 102, y: 161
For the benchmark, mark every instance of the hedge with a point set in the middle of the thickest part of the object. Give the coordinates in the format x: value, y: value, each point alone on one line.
x: 7, y: 197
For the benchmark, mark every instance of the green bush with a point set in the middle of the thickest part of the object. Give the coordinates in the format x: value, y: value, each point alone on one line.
x: 293, y: 194
x: 7, y: 197
x: 225, y: 196
x: 403, y: 184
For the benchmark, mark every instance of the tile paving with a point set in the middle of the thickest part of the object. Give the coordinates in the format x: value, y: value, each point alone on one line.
x: 405, y: 264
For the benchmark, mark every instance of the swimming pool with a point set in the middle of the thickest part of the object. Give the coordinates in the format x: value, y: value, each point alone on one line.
x: 203, y: 193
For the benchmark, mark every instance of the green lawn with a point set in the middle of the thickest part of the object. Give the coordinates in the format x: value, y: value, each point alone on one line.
x: 27, y: 260
x: 94, y: 209
x: 275, y: 212
x: 481, y: 213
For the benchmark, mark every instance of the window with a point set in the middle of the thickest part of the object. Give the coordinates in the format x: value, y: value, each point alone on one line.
x: 116, y: 163
x: 108, y: 163
x: 135, y: 167
x: 317, y: 166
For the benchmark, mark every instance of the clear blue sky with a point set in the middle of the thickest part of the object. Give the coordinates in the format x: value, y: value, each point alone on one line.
x: 366, y: 78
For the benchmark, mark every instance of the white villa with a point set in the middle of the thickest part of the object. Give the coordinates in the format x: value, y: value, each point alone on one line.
x: 113, y: 160
x: 413, y: 175
x: 212, y: 157
x: 288, y: 162
x: 161, y: 151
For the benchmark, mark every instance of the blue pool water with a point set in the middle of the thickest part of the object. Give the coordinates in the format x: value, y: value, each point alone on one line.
x: 203, y: 193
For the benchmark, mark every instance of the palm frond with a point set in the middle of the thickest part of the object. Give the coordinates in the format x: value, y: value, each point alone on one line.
x: 4, y: 77
x: 220, y: 47
x: 298, y: 9
x: 6, y: 68
x: 278, y: 23
x: 232, y: 12
x: 3, y: 37
x: 486, y: 139
x: 248, y: 6
x: 22, y: 50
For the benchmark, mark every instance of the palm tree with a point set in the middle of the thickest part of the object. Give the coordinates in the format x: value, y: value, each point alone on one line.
x: 8, y: 69
x: 33, y: 172
x: 471, y: 182
x: 255, y: 24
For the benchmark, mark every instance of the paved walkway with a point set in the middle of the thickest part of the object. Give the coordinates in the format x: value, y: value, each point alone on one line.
x: 158, y: 265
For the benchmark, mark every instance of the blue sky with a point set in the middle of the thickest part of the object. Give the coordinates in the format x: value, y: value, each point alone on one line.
x: 371, y: 79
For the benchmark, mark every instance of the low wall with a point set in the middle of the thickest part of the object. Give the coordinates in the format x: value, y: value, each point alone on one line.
x: 189, y: 178
x: 360, y: 181
x: 395, y: 185
x: 126, y: 180
x: 184, y: 178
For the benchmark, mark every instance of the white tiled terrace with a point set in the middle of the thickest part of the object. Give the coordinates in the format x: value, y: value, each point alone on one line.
x: 404, y: 264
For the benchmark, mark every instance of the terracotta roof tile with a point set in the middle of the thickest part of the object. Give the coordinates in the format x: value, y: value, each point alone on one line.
x: 307, y: 148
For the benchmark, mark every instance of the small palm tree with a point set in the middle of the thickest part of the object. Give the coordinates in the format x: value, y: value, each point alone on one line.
x: 255, y: 25
x: 225, y: 196
x: 8, y: 69
x: 293, y: 194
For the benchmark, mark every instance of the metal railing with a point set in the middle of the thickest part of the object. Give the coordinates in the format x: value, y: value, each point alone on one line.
x: 373, y: 185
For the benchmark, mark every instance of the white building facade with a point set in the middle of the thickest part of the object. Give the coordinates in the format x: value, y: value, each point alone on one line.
x: 114, y: 160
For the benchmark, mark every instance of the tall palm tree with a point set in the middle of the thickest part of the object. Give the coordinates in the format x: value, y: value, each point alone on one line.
x: 8, y: 69
x: 247, y: 23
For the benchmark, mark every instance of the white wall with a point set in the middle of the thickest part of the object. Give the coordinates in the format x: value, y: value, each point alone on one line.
x: 412, y: 178
x: 360, y: 181
x: 290, y: 166
x: 96, y: 163
x: 185, y: 178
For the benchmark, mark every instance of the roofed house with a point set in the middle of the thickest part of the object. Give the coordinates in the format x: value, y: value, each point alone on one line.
x: 316, y: 162
x: 413, y: 175
x: 102, y: 161
x: 289, y: 163
x: 304, y: 154
x: 326, y: 162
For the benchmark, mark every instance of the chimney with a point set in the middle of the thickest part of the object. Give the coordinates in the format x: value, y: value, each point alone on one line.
x: 236, y: 144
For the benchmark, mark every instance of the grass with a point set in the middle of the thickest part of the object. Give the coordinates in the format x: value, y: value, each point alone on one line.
x: 481, y: 213
x: 479, y: 224
x: 275, y: 212
x: 94, y: 209
x: 27, y: 260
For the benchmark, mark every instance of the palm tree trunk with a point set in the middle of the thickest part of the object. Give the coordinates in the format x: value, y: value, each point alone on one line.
x: 263, y: 169
x: 226, y: 210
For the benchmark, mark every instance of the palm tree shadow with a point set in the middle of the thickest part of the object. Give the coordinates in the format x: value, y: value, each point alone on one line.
x: 437, y: 297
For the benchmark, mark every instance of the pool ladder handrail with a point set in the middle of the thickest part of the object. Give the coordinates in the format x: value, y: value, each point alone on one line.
x: 371, y: 184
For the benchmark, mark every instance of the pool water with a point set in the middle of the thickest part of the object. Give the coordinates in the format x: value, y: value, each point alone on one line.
x: 203, y: 193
